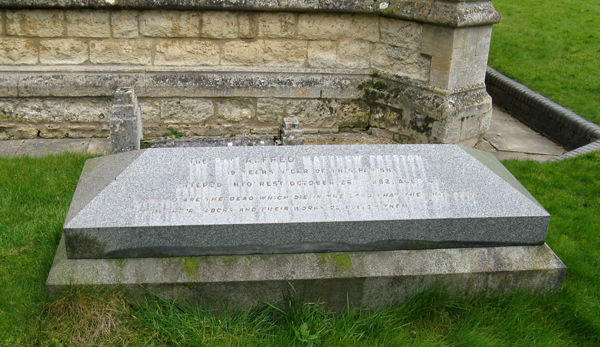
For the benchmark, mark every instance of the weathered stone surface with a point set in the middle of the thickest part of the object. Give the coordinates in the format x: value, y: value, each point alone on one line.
x: 53, y: 131
x: 270, y: 110
x: 220, y: 25
x: 40, y: 23
x: 9, y: 84
x: 150, y: 110
x: 121, y: 51
x: 78, y: 131
x: 7, y: 108
x: 399, y: 61
x: 324, y: 26
x: 73, y: 84
x: 401, y: 33
x: 187, y: 53
x: 355, y: 54
x: 298, y: 199
x: 312, y: 114
x: 322, y: 54
x: 60, y: 110
x: 290, y: 132
x: 186, y: 111
x: 242, y: 53
x: 88, y: 23
x: 166, y: 23
x: 124, y: 24
x: 17, y: 51
x: 235, y: 110
x: 247, y: 25
x: 445, y: 13
x: 63, y: 51
x: 360, y: 279
x: 25, y: 132
x: 276, y: 25
x: 125, y: 122
x: 284, y: 53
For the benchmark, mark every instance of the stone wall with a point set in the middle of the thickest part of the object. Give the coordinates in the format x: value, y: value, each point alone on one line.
x: 222, y: 71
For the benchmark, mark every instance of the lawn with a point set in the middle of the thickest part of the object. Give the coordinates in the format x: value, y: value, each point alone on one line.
x: 34, y: 198
x: 553, y: 47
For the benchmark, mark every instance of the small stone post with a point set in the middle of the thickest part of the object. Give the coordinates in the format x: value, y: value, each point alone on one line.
x: 290, y: 132
x: 126, y: 122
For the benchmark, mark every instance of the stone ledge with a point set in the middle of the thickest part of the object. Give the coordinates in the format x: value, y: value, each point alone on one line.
x: 451, y: 13
x: 365, y: 279
x: 542, y: 114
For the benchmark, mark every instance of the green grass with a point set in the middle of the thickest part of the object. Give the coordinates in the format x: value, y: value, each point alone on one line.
x: 34, y: 198
x: 553, y: 47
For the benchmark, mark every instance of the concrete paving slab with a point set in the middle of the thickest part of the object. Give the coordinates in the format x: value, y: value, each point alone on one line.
x: 8, y: 148
x: 500, y: 114
x: 532, y: 144
x: 513, y: 127
x: 41, y: 147
x: 484, y: 145
x: 99, y: 146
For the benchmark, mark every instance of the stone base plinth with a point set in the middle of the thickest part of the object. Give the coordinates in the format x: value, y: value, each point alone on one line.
x: 365, y: 279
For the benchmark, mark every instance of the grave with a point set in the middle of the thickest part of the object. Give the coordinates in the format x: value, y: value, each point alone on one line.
x: 240, y: 225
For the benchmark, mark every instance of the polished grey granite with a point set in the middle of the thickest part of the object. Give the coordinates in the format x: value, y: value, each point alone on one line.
x: 262, y: 200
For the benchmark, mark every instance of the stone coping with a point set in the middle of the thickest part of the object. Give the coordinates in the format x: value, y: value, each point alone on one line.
x: 542, y: 114
x: 450, y: 13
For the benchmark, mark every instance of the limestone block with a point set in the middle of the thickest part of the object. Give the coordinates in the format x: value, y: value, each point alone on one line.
x: 352, y: 113
x: 9, y: 83
x: 88, y: 23
x: 87, y: 110
x: 312, y: 114
x: 77, y: 131
x: 235, y: 110
x: 150, y: 110
x: 247, y: 25
x: 186, y: 111
x: 33, y: 110
x: 355, y: 54
x: 276, y: 25
x: 186, y: 52
x: 53, y: 131
x: 401, y: 33
x: 121, y: 51
x: 63, y: 51
x: 325, y: 26
x: 242, y: 53
x: 7, y: 109
x: 4, y: 135
x: 437, y: 41
x: 25, y: 132
x: 322, y: 54
x: 284, y: 53
x: 400, y: 61
x: 77, y: 84
x: 385, y: 118
x: 17, y: 51
x: 270, y: 110
x: 220, y: 25
x: 125, y: 24
x: 37, y: 23
x: 165, y: 23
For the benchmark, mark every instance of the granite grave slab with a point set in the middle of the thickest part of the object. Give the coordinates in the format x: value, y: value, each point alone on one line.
x: 299, y: 199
